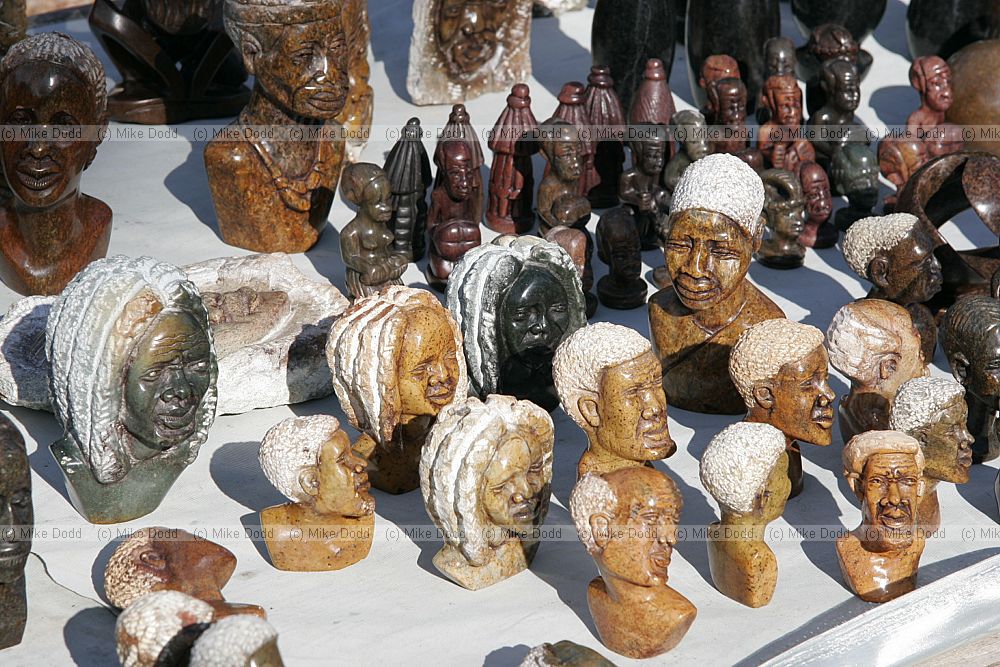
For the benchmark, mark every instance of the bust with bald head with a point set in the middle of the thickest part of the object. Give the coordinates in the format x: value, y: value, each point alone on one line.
x: 931, y: 77
x: 841, y: 84
x: 819, y: 232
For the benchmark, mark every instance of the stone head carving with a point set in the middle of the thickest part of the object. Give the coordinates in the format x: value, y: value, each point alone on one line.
x: 515, y: 300
x: 160, y: 626
x: 16, y: 511
x: 609, y: 382
x: 779, y: 57
x: 970, y: 336
x: 563, y: 149
x: 237, y: 641
x: 727, y: 100
x: 484, y: 474
x: 716, y: 67
x: 618, y: 247
x: 785, y: 211
x: 694, y: 141
x: 854, y: 171
x: 933, y: 411
x: 841, y: 83
x: 816, y: 190
x: 458, y: 166
x: 830, y: 40
x: 931, y: 77
x: 783, y: 98
x: 781, y: 370
x: 744, y: 468
x: 895, y: 253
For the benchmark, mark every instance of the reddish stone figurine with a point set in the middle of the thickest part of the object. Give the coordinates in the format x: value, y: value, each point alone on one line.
x: 451, y: 224
x: 459, y: 128
x: 512, y: 181
x: 931, y: 77
x: 607, y: 117
x: 783, y: 100
x: 559, y: 200
x: 819, y: 232
x: 572, y: 110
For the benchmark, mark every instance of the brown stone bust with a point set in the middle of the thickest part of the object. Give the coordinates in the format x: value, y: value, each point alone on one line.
x: 559, y: 199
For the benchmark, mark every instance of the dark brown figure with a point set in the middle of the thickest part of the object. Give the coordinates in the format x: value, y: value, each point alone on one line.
x: 274, y: 195
x: 512, y: 181
x: 366, y: 243
x: 559, y: 199
x: 48, y: 229
x: 783, y: 100
x: 841, y: 85
x: 931, y: 77
x: 618, y: 247
x: 607, y: 117
x: 17, y: 519
x: 785, y: 212
x: 409, y: 173
x: 819, y: 232
x: 715, y: 68
x: 572, y: 110
x: 779, y: 57
x: 827, y: 42
x: 459, y: 128
x: 576, y: 243
x: 175, y: 60
x: 451, y: 225
x: 898, y: 159
x: 727, y: 102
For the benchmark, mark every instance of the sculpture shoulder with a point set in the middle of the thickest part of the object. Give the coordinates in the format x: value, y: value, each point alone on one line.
x: 221, y: 151
x: 760, y: 307
x: 96, y: 214
x: 667, y: 303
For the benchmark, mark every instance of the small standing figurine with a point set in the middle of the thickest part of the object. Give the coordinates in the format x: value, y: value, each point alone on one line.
x: 310, y: 460
x: 170, y: 559
x: 727, y: 105
x: 627, y: 520
x: 396, y: 360
x: 970, y: 338
x: 274, y: 194
x: 715, y: 68
x: 879, y: 558
x: 409, y: 171
x: 133, y: 384
x: 619, y: 247
x: 17, y: 521
x: 933, y: 412
x: 841, y: 86
x: 572, y: 109
x: 854, y: 172
x: 452, y: 224
x: 896, y: 254
x: 819, y: 232
x: 485, y: 474
x: 690, y: 128
x: 712, y: 233
x: 783, y: 100
x: 828, y: 42
x: 608, y: 381
x: 237, y: 641
x: 875, y: 344
x: 515, y: 301
x: 898, y: 159
x: 366, y: 242
x: 930, y: 76
x: 785, y: 212
x: 48, y: 229
x: 745, y: 468
x: 512, y: 181
x: 160, y: 628
x: 459, y: 129
x: 559, y: 200
x: 607, y: 118
x: 577, y: 244
x: 460, y: 50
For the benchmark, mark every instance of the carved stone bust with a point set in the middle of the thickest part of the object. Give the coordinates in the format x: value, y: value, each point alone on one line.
x: 396, y: 360
x: 854, y: 172
x: 159, y: 628
x: 619, y: 245
x: 17, y: 520
x: 841, y: 85
x: 930, y: 76
x: 311, y: 462
x: 559, y: 200
x: 485, y: 474
x: 745, y: 468
x: 608, y: 381
x: 785, y: 212
x: 133, y: 384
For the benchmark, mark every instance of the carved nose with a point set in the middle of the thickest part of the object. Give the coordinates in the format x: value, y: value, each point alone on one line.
x: 178, y: 388
x: 471, y: 23
x: 38, y: 149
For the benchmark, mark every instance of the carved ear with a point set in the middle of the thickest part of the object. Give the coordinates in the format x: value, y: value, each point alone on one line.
x: 854, y: 484
x: 600, y: 530
x: 959, y: 367
x: 764, y: 396
x: 250, y: 48
x: 309, y: 480
x: 589, y: 412
x: 887, y: 366
x: 878, y: 272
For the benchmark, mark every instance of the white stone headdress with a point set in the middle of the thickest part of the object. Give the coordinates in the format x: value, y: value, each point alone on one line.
x: 125, y: 581
x: 725, y: 184
x: 919, y: 400
x: 865, y: 445
x: 290, y: 446
x: 232, y: 641
x: 761, y: 351
x: 737, y: 463
x: 151, y: 623
x: 591, y: 495
x: 860, y: 333
x: 869, y: 236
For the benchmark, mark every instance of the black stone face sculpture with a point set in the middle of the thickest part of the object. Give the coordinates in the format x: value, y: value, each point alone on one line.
x: 409, y: 172
x: 16, y: 522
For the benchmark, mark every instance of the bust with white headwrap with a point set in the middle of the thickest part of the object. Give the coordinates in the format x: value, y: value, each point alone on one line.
x: 133, y: 384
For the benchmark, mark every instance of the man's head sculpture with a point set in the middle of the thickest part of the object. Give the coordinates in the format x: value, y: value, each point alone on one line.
x: 515, y: 301
x: 485, y: 473
x: 744, y: 468
x: 874, y: 344
x: 696, y: 146
x: 932, y: 410
x: 896, y: 253
x: 931, y: 77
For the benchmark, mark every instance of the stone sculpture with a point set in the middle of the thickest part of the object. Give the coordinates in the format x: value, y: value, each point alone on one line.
x: 854, y: 172
x: 17, y: 520
x: 819, y: 232
x: 619, y: 246
x: 160, y: 628
x: 512, y: 181
x: 785, y: 213
x: 409, y: 171
x: 452, y: 224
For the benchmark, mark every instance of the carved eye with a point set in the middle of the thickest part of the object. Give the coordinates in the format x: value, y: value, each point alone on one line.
x: 198, y: 366
x: 152, y: 375
x: 153, y: 559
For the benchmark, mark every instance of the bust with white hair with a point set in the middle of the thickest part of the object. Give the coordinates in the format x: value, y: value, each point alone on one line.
x: 485, y: 474
x: 396, y: 361
x: 159, y: 628
x: 515, y: 299
x: 329, y: 523
x: 781, y: 370
x: 237, y: 641
x: 627, y: 520
x: 745, y: 468
x: 879, y: 558
x: 874, y: 343
x: 608, y: 380
x: 711, y: 235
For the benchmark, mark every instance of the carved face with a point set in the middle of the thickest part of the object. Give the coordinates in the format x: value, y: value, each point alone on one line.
x: 459, y: 172
x: 514, y: 484
x: 779, y: 57
x: 534, y: 313
x: 167, y: 377
x: 243, y: 304
x: 650, y: 156
x: 339, y: 482
x: 846, y: 90
x: 45, y: 173
x: 696, y: 145
x: 181, y: 17
x: 428, y: 363
x: 16, y: 512
x: 937, y: 91
x: 787, y: 220
x: 856, y: 173
x: 787, y: 108
x: 715, y: 68
x: 732, y: 103
x: 707, y: 256
x: 567, y: 159
x: 803, y: 399
x: 909, y: 272
x: 770, y: 502
x: 889, y: 491
x: 946, y: 443
x: 816, y: 189
x: 623, y: 250
x: 468, y: 33
x: 179, y: 561
x: 983, y: 372
x: 632, y: 410
x: 376, y: 198
x: 304, y: 68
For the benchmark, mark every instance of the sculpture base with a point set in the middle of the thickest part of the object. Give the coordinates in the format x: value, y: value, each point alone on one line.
x: 509, y: 559
x: 652, y: 621
x: 615, y: 295
x: 126, y: 107
x: 878, y: 577
x: 744, y: 570
x: 299, y: 540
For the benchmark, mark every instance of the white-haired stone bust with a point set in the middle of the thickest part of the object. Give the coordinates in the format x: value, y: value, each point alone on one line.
x: 609, y: 382
x: 396, y: 360
x: 133, y: 383
x: 237, y: 641
x: 516, y: 300
x: 485, y: 474
x: 158, y: 626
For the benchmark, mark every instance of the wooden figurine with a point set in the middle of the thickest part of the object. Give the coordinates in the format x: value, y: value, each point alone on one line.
x: 133, y: 384
x: 366, y: 242
x: 160, y: 628
x: 607, y: 118
x: 512, y: 181
x: 819, y: 232
x: 608, y: 381
x: 835, y: 120
x: 690, y: 128
x: 330, y: 519
x: 783, y: 100
x: 619, y: 247
x: 874, y: 344
x: 578, y: 245
x: 391, y: 390
x: 49, y: 230
x: 452, y: 224
x: 485, y: 474
x: 515, y: 301
x: 176, y: 62
x: 627, y: 520
x: 932, y: 411
x: 572, y: 109
x: 559, y: 200
x: 460, y: 50
x: 239, y: 641
x: 879, y: 558
x: 828, y: 42
x: 459, y: 129
x: 896, y: 254
x: 170, y: 559
x: 745, y: 468
x: 898, y: 159
x: 713, y: 231
x: 17, y: 520
x: 854, y: 172
x: 409, y: 171
x: 785, y: 215
x: 970, y: 338
x: 273, y: 194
